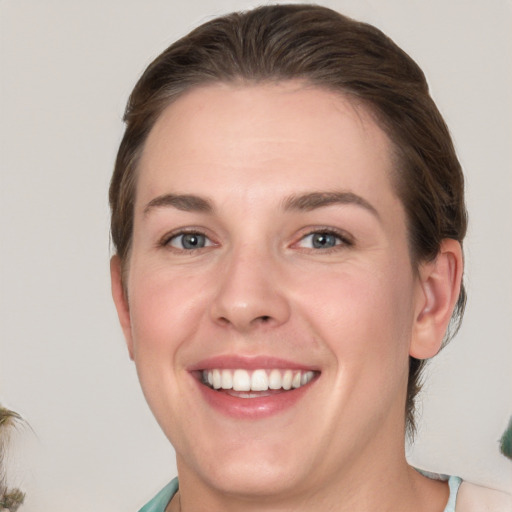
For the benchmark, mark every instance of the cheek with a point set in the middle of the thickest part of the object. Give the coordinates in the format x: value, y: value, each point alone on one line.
x: 364, y: 315
x: 165, y: 310
x: 165, y: 313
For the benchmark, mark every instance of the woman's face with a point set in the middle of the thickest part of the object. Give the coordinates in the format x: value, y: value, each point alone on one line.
x: 269, y: 252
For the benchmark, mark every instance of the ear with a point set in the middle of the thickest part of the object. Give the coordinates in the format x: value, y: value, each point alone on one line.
x: 438, y: 291
x: 121, y: 301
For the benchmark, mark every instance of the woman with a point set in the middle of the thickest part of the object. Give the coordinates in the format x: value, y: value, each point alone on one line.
x: 288, y: 218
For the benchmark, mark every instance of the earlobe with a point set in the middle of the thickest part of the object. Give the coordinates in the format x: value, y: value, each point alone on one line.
x: 121, y: 301
x: 438, y: 291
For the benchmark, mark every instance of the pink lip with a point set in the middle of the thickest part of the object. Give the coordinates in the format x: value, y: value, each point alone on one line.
x: 248, y: 363
x: 250, y: 408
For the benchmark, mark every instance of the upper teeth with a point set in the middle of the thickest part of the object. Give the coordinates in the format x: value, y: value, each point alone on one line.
x: 257, y: 380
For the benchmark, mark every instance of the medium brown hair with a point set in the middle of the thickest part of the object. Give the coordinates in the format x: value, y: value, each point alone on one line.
x: 326, y: 49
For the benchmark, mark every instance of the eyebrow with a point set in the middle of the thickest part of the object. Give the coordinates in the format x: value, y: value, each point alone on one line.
x: 304, y: 202
x: 314, y: 200
x: 184, y: 202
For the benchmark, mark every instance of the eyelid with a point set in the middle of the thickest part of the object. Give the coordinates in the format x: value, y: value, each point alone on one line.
x: 172, y: 240
x: 346, y: 239
x: 165, y: 241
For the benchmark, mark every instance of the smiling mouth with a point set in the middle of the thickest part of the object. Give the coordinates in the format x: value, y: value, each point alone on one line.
x: 257, y: 383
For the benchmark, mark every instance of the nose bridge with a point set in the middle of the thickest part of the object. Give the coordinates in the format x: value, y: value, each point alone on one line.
x: 249, y: 292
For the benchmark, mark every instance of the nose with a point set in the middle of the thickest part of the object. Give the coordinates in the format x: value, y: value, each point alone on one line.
x: 250, y: 293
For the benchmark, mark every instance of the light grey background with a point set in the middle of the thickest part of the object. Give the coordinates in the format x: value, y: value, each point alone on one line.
x: 67, y: 68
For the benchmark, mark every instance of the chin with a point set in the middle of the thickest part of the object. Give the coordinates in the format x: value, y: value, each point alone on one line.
x: 255, y: 478
x: 250, y: 471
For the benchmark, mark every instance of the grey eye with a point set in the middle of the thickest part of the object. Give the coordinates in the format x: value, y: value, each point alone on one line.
x: 320, y: 240
x: 189, y: 241
x: 323, y: 240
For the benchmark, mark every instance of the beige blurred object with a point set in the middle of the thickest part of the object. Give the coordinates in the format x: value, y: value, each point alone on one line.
x: 475, y: 498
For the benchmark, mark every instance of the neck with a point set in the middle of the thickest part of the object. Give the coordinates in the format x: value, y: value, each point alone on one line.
x: 427, y: 495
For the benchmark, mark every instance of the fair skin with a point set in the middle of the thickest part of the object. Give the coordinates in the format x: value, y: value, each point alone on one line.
x: 268, y: 236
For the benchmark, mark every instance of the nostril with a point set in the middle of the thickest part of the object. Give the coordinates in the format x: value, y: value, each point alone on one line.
x: 265, y: 318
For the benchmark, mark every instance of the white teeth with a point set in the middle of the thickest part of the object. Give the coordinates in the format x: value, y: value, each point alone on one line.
x: 274, y: 380
x: 259, y: 380
x: 306, y: 377
x: 241, y: 380
x: 227, y: 379
x: 217, y: 379
x: 287, y: 379
x: 296, y: 380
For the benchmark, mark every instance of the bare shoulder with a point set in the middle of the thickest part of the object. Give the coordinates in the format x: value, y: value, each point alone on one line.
x: 475, y: 498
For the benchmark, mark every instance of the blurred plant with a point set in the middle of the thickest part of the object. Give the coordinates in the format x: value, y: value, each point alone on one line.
x: 10, y: 499
x: 506, y: 441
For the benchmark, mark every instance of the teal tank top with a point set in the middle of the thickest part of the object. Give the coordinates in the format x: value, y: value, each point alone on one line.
x: 163, y: 498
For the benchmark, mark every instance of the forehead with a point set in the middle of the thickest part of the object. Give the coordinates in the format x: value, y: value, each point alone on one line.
x: 264, y: 136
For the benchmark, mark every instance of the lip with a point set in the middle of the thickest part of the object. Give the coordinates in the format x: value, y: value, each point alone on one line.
x: 250, y: 408
x: 249, y: 363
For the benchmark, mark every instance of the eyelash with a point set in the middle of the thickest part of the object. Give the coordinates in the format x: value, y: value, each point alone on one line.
x: 168, y: 238
x: 343, y: 239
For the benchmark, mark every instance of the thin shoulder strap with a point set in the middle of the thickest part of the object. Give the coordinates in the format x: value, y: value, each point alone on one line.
x: 454, y: 484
